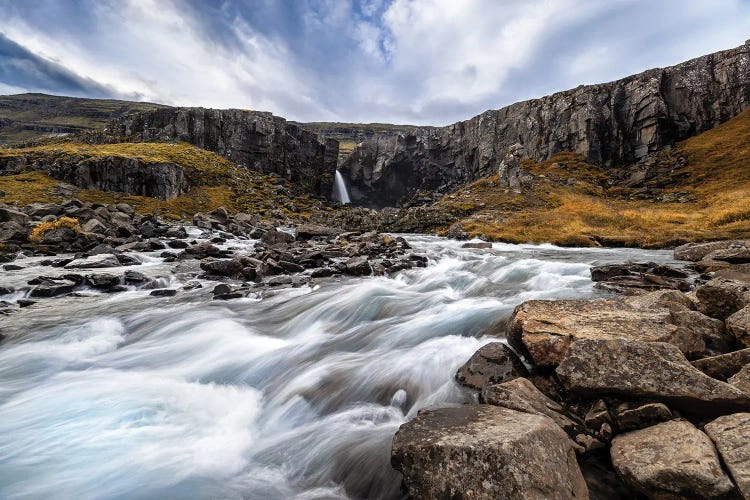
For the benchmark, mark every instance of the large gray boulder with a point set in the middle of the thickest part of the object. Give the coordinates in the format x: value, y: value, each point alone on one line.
x: 698, y: 251
x: 654, y: 370
x: 670, y: 460
x: 494, y: 363
x: 545, y: 329
x: 731, y: 434
x: 486, y: 452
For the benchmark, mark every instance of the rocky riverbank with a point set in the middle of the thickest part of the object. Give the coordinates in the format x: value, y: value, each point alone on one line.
x: 86, y: 240
x: 644, y: 394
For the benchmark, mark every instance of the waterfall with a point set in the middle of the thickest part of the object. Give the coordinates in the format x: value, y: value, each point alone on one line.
x: 339, y: 189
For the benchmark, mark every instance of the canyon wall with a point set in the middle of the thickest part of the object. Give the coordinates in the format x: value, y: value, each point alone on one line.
x: 254, y: 140
x: 612, y: 124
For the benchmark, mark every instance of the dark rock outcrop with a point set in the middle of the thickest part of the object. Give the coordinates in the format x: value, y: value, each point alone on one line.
x: 252, y: 139
x: 610, y: 124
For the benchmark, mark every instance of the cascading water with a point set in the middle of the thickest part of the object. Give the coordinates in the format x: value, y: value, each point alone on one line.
x: 340, y: 193
x: 297, y: 395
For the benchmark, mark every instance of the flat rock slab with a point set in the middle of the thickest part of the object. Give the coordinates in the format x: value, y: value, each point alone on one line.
x: 670, y: 460
x: 654, y: 370
x: 545, y: 329
x: 486, y: 452
x: 494, y: 363
x: 94, y: 262
x: 731, y: 434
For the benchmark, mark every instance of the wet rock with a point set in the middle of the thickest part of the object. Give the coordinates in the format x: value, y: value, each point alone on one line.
x: 192, y: 285
x: 52, y: 288
x: 279, y: 280
x: 730, y: 435
x: 223, y: 267
x: 127, y: 260
x: 163, y: 292
x: 738, y: 325
x: 720, y: 297
x: 12, y: 267
x: 177, y: 244
x: 291, y: 266
x: 494, y: 363
x: 487, y: 452
x: 177, y: 232
x: 632, y: 416
x: 545, y: 329
x: 358, y: 266
x: 654, y: 370
x: 725, y: 365
x: 639, y: 276
x: 521, y: 395
x: 94, y: 262
x: 102, y: 281
x: 221, y: 288
x: 135, y: 278
x: 25, y: 303
x: 670, y: 460
x: 483, y: 244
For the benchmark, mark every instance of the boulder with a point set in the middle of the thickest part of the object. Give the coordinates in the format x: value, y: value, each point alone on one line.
x: 308, y: 231
x: 631, y: 416
x: 673, y: 300
x: 545, y: 329
x: 654, y: 370
x: 275, y: 237
x: 738, y: 325
x: 730, y: 435
x: 94, y: 226
x: 725, y: 365
x: 94, y: 262
x: 163, y: 292
x: 13, y: 231
x: 222, y: 267
x: 741, y: 379
x: 358, y: 266
x: 670, y: 460
x: 494, y: 363
x: 480, y: 245
x: 486, y: 452
x: 9, y: 215
x: 698, y: 251
x: 720, y: 297
x: 521, y: 395
x: 52, y: 288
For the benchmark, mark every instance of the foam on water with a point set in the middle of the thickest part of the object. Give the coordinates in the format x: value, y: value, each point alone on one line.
x: 297, y: 395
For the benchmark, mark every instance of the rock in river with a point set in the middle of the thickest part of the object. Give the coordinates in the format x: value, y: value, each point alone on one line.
x: 486, y: 452
x: 492, y: 364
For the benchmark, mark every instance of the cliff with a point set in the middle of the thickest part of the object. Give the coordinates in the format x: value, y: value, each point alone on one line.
x: 254, y: 140
x: 611, y: 124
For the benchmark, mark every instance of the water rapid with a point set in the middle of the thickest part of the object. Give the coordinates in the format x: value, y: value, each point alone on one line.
x: 293, y: 395
x: 340, y: 193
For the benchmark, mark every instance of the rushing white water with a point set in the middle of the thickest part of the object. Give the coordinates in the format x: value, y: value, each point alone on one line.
x: 296, y: 395
x: 340, y: 193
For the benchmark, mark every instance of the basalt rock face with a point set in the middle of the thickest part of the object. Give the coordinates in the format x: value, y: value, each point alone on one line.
x: 255, y: 140
x: 611, y: 124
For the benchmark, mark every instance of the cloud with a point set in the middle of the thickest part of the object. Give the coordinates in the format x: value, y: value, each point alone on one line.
x: 405, y: 61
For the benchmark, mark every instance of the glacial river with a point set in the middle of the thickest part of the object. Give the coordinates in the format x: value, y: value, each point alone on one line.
x: 294, y: 394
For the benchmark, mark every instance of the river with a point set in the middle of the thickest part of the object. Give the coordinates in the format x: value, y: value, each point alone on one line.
x: 293, y: 394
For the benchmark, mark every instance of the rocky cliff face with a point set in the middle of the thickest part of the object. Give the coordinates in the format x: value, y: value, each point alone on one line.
x: 612, y: 124
x: 254, y: 140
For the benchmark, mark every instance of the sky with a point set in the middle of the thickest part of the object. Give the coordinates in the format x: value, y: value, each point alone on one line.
x: 423, y: 62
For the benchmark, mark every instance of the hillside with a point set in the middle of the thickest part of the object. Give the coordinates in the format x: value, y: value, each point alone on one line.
x: 698, y: 190
x: 24, y: 117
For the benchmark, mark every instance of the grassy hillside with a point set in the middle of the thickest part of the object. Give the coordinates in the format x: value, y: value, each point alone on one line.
x: 215, y: 180
x: 711, y: 172
x: 24, y: 117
